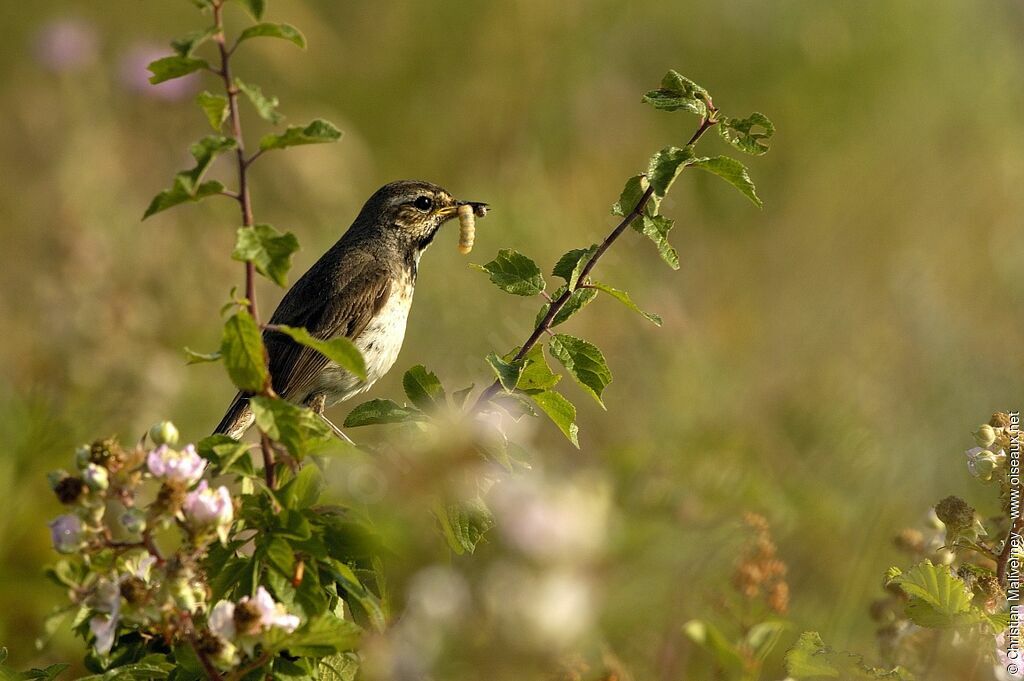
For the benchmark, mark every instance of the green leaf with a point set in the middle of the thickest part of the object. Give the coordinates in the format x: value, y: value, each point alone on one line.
x: 254, y: 7
x: 187, y: 184
x: 221, y: 450
x: 711, y: 639
x: 376, y: 412
x: 304, y: 489
x: 560, y: 411
x: 764, y: 636
x: 269, y: 250
x: 339, y: 350
x: 169, y: 68
x: 459, y: 396
x: 345, y: 578
x: 194, y: 357
x: 325, y: 635
x: 536, y: 375
x: 938, y: 598
x: 665, y: 167
x: 514, y: 273
x: 424, y: 389
x: 265, y: 30
x: 632, y: 193
x: 624, y: 298
x: 678, y: 92
x: 295, y: 427
x: 743, y: 133
x: 464, y: 524
x: 578, y: 300
x: 341, y: 667
x: 656, y: 228
x: 150, y: 668
x: 215, y: 107
x: 317, y: 132
x: 265, y: 106
x: 188, y: 43
x: 583, y: 361
x: 810, y: 658
x: 508, y: 373
x: 733, y: 172
x: 48, y: 673
x: 245, y: 358
x: 570, y: 266
x: 278, y: 553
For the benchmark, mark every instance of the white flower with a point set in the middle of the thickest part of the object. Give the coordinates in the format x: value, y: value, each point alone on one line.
x: 222, y: 620
x: 106, y: 599
x: 210, y: 508
x: 982, y: 463
x: 174, y: 466
x: 66, y: 532
x: 256, y: 616
x: 273, y: 614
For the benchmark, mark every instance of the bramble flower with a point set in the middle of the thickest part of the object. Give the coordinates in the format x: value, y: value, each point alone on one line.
x: 168, y: 464
x: 243, y: 622
x: 207, y: 508
x: 982, y: 463
x: 106, y: 600
x: 66, y: 532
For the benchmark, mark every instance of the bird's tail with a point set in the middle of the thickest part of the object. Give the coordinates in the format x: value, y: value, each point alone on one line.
x: 237, y: 419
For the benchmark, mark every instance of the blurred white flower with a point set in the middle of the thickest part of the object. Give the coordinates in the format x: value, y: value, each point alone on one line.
x: 66, y: 45
x: 185, y: 466
x: 983, y: 463
x: 272, y: 614
x: 438, y: 594
x: 563, y: 521
x: 222, y: 620
x: 66, y: 533
x: 242, y: 623
x: 207, y: 508
x: 560, y: 609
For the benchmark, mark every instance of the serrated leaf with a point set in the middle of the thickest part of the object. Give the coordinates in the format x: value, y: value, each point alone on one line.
x: 178, y: 195
x: 583, y: 361
x: 578, y: 300
x: 267, y: 30
x: 278, y: 553
x: 678, y: 92
x: 938, y: 598
x: 570, y: 266
x: 665, y: 167
x: 169, y: 68
x: 631, y: 195
x: 465, y: 523
x: 536, y: 375
x: 194, y: 357
x: 222, y: 451
x: 341, y: 667
x: 508, y: 373
x: 325, y: 635
x: 517, y: 405
x: 656, y: 228
x: 215, y: 107
x: 810, y: 658
x: 294, y: 426
x: 424, y: 389
x: 265, y: 106
x: 377, y: 412
x: 152, y: 668
x: 514, y: 273
x: 304, y: 489
x: 624, y: 298
x: 244, y: 356
x: 187, y: 44
x: 317, y: 132
x: 188, y: 185
x: 339, y: 350
x: 747, y: 134
x: 560, y: 410
x: 733, y: 172
x: 254, y: 7
x: 266, y: 248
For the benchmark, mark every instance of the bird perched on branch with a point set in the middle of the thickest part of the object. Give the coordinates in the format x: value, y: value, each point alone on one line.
x: 360, y: 289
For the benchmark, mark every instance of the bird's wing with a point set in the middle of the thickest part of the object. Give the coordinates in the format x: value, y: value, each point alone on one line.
x: 327, y: 303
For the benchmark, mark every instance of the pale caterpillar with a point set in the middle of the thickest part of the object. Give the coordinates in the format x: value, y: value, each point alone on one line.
x: 468, y: 212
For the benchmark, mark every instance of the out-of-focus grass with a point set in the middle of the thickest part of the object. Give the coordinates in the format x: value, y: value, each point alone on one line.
x: 821, y: 361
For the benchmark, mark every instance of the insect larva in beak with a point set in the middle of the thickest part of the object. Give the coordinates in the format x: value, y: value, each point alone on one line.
x: 467, y: 228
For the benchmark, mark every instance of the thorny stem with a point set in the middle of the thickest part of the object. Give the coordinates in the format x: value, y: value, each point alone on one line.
x: 545, y: 324
x: 242, y: 196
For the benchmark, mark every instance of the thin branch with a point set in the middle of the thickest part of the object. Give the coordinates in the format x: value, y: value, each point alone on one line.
x: 555, y: 307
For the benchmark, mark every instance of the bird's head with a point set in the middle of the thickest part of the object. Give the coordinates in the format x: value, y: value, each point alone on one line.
x: 412, y: 211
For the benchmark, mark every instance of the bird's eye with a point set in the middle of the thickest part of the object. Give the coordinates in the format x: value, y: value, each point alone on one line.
x: 424, y: 203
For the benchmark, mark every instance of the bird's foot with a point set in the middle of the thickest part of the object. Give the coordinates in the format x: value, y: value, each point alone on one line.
x: 336, y: 430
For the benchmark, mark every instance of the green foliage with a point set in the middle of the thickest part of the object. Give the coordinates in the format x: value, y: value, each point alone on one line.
x: 938, y: 598
x: 424, y: 389
x: 317, y: 132
x: 560, y: 410
x: 810, y: 658
x: 295, y: 427
x: 747, y: 134
x: 188, y: 184
x: 267, y: 30
x: 665, y: 167
x: 678, y: 92
x: 570, y: 266
x: 254, y: 7
x: 215, y: 107
x: 464, y: 524
x: 514, y: 273
x: 624, y: 298
x: 339, y: 350
x: 583, y: 361
x: 169, y: 68
x: 576, y: 301
x: 508, y: 373
x: 266, y: 248
x: 377, y: 412
x: 733, y: 172
x: 656, y: 228
x: 188, y: 43
x: 245, y: 358
x: 265, y: 106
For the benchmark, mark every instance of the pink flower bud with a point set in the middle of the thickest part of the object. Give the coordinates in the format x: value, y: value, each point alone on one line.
x: 207, y: 508
x: 184, y: 466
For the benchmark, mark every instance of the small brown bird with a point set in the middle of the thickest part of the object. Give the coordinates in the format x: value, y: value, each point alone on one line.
x: 360, y: 289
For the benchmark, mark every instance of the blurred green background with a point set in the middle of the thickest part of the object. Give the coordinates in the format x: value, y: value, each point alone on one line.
x: 822, y: 362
